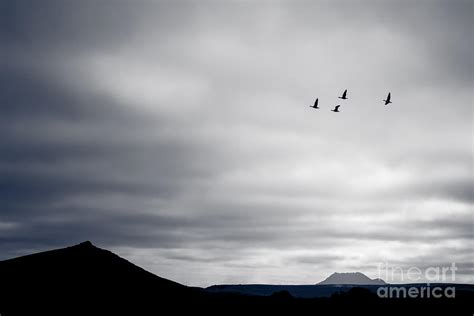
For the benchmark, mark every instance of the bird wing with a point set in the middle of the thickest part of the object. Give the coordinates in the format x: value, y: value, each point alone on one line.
x: 344, y: 94
x: 388, y: 97
x: 316, y: 102
x: 337, y: 107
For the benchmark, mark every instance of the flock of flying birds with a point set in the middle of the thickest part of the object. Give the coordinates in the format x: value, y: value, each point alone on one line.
x: 344, y: 97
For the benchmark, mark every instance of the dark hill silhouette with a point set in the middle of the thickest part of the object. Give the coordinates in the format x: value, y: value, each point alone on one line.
x: 79, y: 264
x: 79, y: 276
x: 87, y: 280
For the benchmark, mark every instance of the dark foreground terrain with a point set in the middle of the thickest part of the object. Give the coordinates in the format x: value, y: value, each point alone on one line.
x: 86, y: 280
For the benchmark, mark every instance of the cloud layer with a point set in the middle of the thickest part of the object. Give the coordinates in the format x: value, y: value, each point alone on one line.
x: 180, y: 136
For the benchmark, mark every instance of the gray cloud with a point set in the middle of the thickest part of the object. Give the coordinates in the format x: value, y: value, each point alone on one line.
x: 181, y: 137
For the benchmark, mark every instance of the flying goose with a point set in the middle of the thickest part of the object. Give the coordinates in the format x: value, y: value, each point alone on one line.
x: 344, y: 95
x: 336, y: 109
x: 315, y: 106
x: 387, y: 102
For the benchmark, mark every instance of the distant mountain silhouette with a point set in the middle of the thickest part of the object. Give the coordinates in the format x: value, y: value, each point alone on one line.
x: 87, y: 280
x: 352, y: 278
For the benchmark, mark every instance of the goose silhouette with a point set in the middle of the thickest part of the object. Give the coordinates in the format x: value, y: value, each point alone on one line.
x: 387, y: 101
x: 315, y: 106
x: 336, y: 109
x: 344, y: 95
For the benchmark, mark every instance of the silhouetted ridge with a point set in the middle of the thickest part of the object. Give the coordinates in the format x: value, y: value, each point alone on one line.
x: 84, y: 272
x: 84, y: 260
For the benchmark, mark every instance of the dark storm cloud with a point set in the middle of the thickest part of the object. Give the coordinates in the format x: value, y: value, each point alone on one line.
x: 177, y: 129
x: 58, y: 25
x: 35, y: 154
x: 22, y: 95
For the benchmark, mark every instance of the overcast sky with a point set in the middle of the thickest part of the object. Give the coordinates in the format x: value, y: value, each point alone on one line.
x: 179, y: 135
